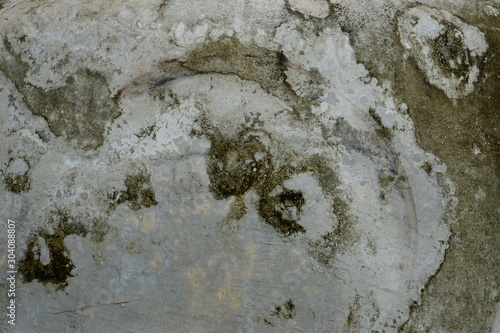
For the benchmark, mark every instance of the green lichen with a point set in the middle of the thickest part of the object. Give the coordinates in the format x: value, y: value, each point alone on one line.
x: 237, y: 165
x: 325, y: 248
x: 17, y: 183
x: 427, y: 167
x: 268, y: 322
x: 78, y: 111
x: 385, y: 180
x: 284, y: 311
x: 450, y: 129
x: 363, y: 312
x: 58, y: 270
x: 238, y: 209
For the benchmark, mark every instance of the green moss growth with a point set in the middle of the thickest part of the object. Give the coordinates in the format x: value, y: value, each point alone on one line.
x: 325, y: 248
x: 385, y: 180
x: 427, y: 167
x: 77, y: 111
x: 285, y: 311
x: 145, y: 132
x: 449, y: 45
x: 58, y: 270
x: 139, y: 193
x: 229, y: 56
x: 17, y: 183
x: 234, y: 166
x: 327, y: 178
x: 237, y: 209
x: 268, y: 322
x: 282, y: 211
x: 237, y: 165
x: 99, y: 229
x: 382, y: 131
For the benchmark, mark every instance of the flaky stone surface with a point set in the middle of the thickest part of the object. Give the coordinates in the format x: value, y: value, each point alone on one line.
x: 230, y: 167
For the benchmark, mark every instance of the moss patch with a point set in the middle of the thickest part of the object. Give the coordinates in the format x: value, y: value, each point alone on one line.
x: 147, y: 132
x: 357, y: 320
x: 382, y: 131
x: 139, y: 192
x: 427, y: 167
x: 229, y: 56
x: 237, y: 165
x: 58, y: 270
x: 237, y: 209
x: 77, y: 111
x: 325, y: 248
x: 449, y: 45
x: 16, y: 182
x: 234, y: 166
x: 282, y: 211
x: 285, y: 311
x: 458, y: 298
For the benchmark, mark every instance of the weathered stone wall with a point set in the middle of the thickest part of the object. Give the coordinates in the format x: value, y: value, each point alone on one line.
x: 251, y: 166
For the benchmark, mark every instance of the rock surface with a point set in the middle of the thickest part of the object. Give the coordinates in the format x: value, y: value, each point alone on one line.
x: 239, y: 167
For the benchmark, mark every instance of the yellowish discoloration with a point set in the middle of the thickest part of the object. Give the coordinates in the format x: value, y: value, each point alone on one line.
x: 148, y: 223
